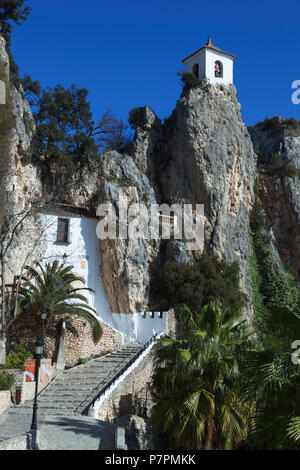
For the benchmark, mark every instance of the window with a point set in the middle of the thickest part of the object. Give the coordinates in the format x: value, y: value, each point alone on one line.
x: 218, y: 69
x: 196, y: 70
x: 62, y: 235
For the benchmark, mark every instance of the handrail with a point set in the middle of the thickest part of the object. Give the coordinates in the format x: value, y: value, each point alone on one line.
x: 120, y: 372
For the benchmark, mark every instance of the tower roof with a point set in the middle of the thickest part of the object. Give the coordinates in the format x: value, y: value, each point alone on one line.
x: 210, y: 45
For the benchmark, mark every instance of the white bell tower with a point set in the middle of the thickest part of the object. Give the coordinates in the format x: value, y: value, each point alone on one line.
x: 211, y: 63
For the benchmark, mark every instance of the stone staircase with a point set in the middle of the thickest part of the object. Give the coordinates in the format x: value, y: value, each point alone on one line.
x: 71, y: 392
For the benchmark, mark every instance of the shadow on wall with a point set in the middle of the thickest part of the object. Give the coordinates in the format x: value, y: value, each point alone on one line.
x: 93, y: 266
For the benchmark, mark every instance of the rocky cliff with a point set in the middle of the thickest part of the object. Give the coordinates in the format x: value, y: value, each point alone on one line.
x: 19, y: 184
x: 277, y: 143
x: 201, y: 154
x: 126, y: 262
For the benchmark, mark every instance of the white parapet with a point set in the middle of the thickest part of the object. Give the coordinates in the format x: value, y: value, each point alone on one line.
x: 93, y: 410
x: 141, y: 326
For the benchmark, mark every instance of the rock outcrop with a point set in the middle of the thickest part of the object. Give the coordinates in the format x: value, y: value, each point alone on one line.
x: 203, y: 155
x: 279, y: 192
x: 126, y: 262
x: 19, y: 185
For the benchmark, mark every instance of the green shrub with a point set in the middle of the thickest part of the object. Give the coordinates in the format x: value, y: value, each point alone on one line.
x: 279, y: 166
x: 6, y: 381
x: 189, y: 80
x: 207, y: 280
x: 16, y: 360
x: 292, y: 122
x: 271, y: 124
x: 83, y: 360
x: 137, y: 118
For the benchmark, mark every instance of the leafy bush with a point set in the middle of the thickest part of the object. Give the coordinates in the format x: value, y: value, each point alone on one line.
x: 279, y: 166
x: 16, y: 360
x: 276, y: 123
x: 292, y: 122
x: 207, y: 280
x: 189, y: 80
x: 83, y: 360
x: 6, y: 381
x: 136, y: 118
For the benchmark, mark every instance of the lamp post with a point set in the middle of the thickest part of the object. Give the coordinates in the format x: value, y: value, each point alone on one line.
x: 38, y: 355
x: 43, y: 317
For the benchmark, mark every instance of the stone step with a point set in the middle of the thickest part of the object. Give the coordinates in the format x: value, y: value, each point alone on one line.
x: 86, y: 378
x: 58, y: 399
x: 74, y: 386
x: 95, y: 372
x: 78, y: 385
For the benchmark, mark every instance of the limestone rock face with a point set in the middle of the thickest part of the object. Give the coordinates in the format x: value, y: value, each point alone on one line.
x: 19, y: 184
x: 146, y: 138
x: 204, y: 155
x: 126, y: 262
x: 280, y: 195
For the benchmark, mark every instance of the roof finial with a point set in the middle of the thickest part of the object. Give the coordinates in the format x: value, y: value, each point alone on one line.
x: 209, y: 43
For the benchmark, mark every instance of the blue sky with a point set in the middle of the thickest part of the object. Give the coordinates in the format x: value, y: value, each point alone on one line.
x: 127, y: 53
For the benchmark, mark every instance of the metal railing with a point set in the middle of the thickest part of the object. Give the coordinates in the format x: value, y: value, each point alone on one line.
x: 118, y: 374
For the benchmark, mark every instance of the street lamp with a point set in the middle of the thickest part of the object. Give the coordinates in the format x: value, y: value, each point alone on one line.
x: 65, y: 258
x: 43, y: 317
x: 38, y: 356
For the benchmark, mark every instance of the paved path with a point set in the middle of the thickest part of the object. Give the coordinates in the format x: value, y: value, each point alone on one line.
x: 67, y: 397
x: 75, y: 433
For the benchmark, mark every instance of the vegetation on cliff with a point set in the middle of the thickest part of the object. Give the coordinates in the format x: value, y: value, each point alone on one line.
x: 208, y: 279
x: 67, y: 141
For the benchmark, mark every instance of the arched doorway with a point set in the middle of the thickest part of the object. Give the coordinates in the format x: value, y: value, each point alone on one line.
x: 218, y: 69
x: 196, y: 70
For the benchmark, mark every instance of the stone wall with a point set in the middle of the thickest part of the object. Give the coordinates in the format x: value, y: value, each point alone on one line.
x: 4, y: 400
x: 17, y: 443
x: 132, y: 395
x: 28, y: 388
x: 78, y: 340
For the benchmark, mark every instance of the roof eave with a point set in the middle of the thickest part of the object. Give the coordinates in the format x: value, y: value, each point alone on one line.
x: 212, y: 49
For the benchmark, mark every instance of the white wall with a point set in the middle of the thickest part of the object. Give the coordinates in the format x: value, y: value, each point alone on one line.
x: 84, y: 254
x: 142, y: 325
x: 199, y: 59
x: 84, y: 246
x: 227, y: 62
x: 206, y: 59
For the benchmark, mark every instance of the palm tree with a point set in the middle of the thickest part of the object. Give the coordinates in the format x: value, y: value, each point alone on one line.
x: 272, y: 380
x: 51, y: 289
x: 196, y: 383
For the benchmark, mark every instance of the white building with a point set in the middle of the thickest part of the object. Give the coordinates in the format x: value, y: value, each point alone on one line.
x: 72, y: 240
x: 70, y: 234
x: 211, y: 63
